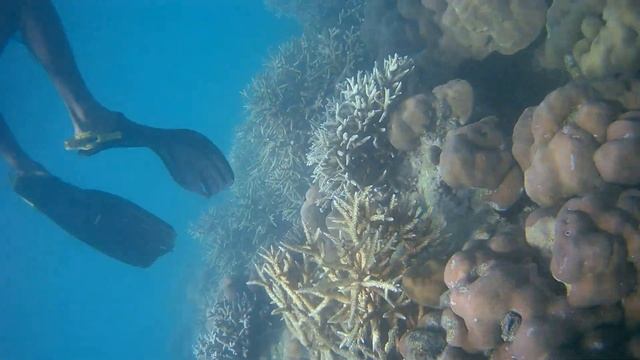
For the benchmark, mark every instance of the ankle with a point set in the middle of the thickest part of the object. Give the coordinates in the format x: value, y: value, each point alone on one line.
x: 90, y: 117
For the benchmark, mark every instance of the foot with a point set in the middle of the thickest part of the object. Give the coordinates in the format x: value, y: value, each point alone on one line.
x: 193, y: 161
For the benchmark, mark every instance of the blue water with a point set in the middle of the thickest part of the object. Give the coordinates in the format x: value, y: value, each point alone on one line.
x: 164, y: 63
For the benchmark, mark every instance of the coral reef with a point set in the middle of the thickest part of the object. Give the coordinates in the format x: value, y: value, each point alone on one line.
x: 338, y: 291
x: 351, y: 149
x: 501, y: 301
x: 530, y: 245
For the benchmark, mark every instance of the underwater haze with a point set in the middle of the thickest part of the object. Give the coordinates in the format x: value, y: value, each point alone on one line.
x: 164, y: 63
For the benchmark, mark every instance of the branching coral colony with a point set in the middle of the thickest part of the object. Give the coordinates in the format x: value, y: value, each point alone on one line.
x: 268, y: 154
x: 351, y: 148
x: 338, y: 292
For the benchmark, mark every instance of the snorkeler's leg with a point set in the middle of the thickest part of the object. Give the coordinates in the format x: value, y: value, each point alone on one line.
x: 111, y: 224
x: 44, y: 35
x: 193, y: 161
x: 8, y: 21
x: 13, y: 154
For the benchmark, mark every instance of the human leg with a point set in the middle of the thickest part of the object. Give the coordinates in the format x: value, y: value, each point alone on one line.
x: 192, y: 160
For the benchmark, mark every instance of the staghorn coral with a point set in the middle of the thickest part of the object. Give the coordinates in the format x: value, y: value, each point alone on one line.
x: 351, y: 148
x: 283, y: 106
x: 227, y: 330
x: 314, y: 14
x: 268, y: 153
x: 338, y: 291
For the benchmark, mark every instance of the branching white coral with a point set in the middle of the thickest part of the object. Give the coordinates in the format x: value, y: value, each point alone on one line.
x: 227, y: 332
x: 338, y: 292
x: 351, y: 148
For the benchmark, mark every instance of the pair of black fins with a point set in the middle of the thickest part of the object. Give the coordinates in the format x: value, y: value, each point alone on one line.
x: 109, y: 223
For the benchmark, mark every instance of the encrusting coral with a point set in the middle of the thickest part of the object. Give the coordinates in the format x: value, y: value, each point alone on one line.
x: 338, y: 291
x: 351, y: 149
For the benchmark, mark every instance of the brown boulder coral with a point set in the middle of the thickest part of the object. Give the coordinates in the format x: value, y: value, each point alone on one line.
x: 596, y: 35
x: 455, y: 99
x: 561, y: 135
x: 618, y: 160
x: 497, y: 298
x: 422, y: 344
x: 479, y: 28
x: 595, y: 247
x: 424, y: 283
x: 409, y: 122
x: 476, y: 156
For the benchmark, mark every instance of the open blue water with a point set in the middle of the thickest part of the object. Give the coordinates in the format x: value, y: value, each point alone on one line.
x: 167, y: 63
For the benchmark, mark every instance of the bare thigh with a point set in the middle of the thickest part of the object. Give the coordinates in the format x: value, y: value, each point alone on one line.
x: 8, y: 21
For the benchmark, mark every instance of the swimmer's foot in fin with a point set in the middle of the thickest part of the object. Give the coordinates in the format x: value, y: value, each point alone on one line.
x: 193, y: 161
x: 113, y: 225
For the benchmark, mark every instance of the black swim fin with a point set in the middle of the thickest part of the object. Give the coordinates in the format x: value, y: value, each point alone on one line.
x: 111, y: 224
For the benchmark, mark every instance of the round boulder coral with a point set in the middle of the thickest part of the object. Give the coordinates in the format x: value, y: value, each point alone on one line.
x: 482, y: 27
x: 618, y: 160
x: 422, y: 344
x: 554, y: 144
x: 457, y: 96
x: 473, y: 156
x: 594, y: 244
x: 409, y: 122
x: 498, y: 299
x: 476, y: 156
x: 424, y: 283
